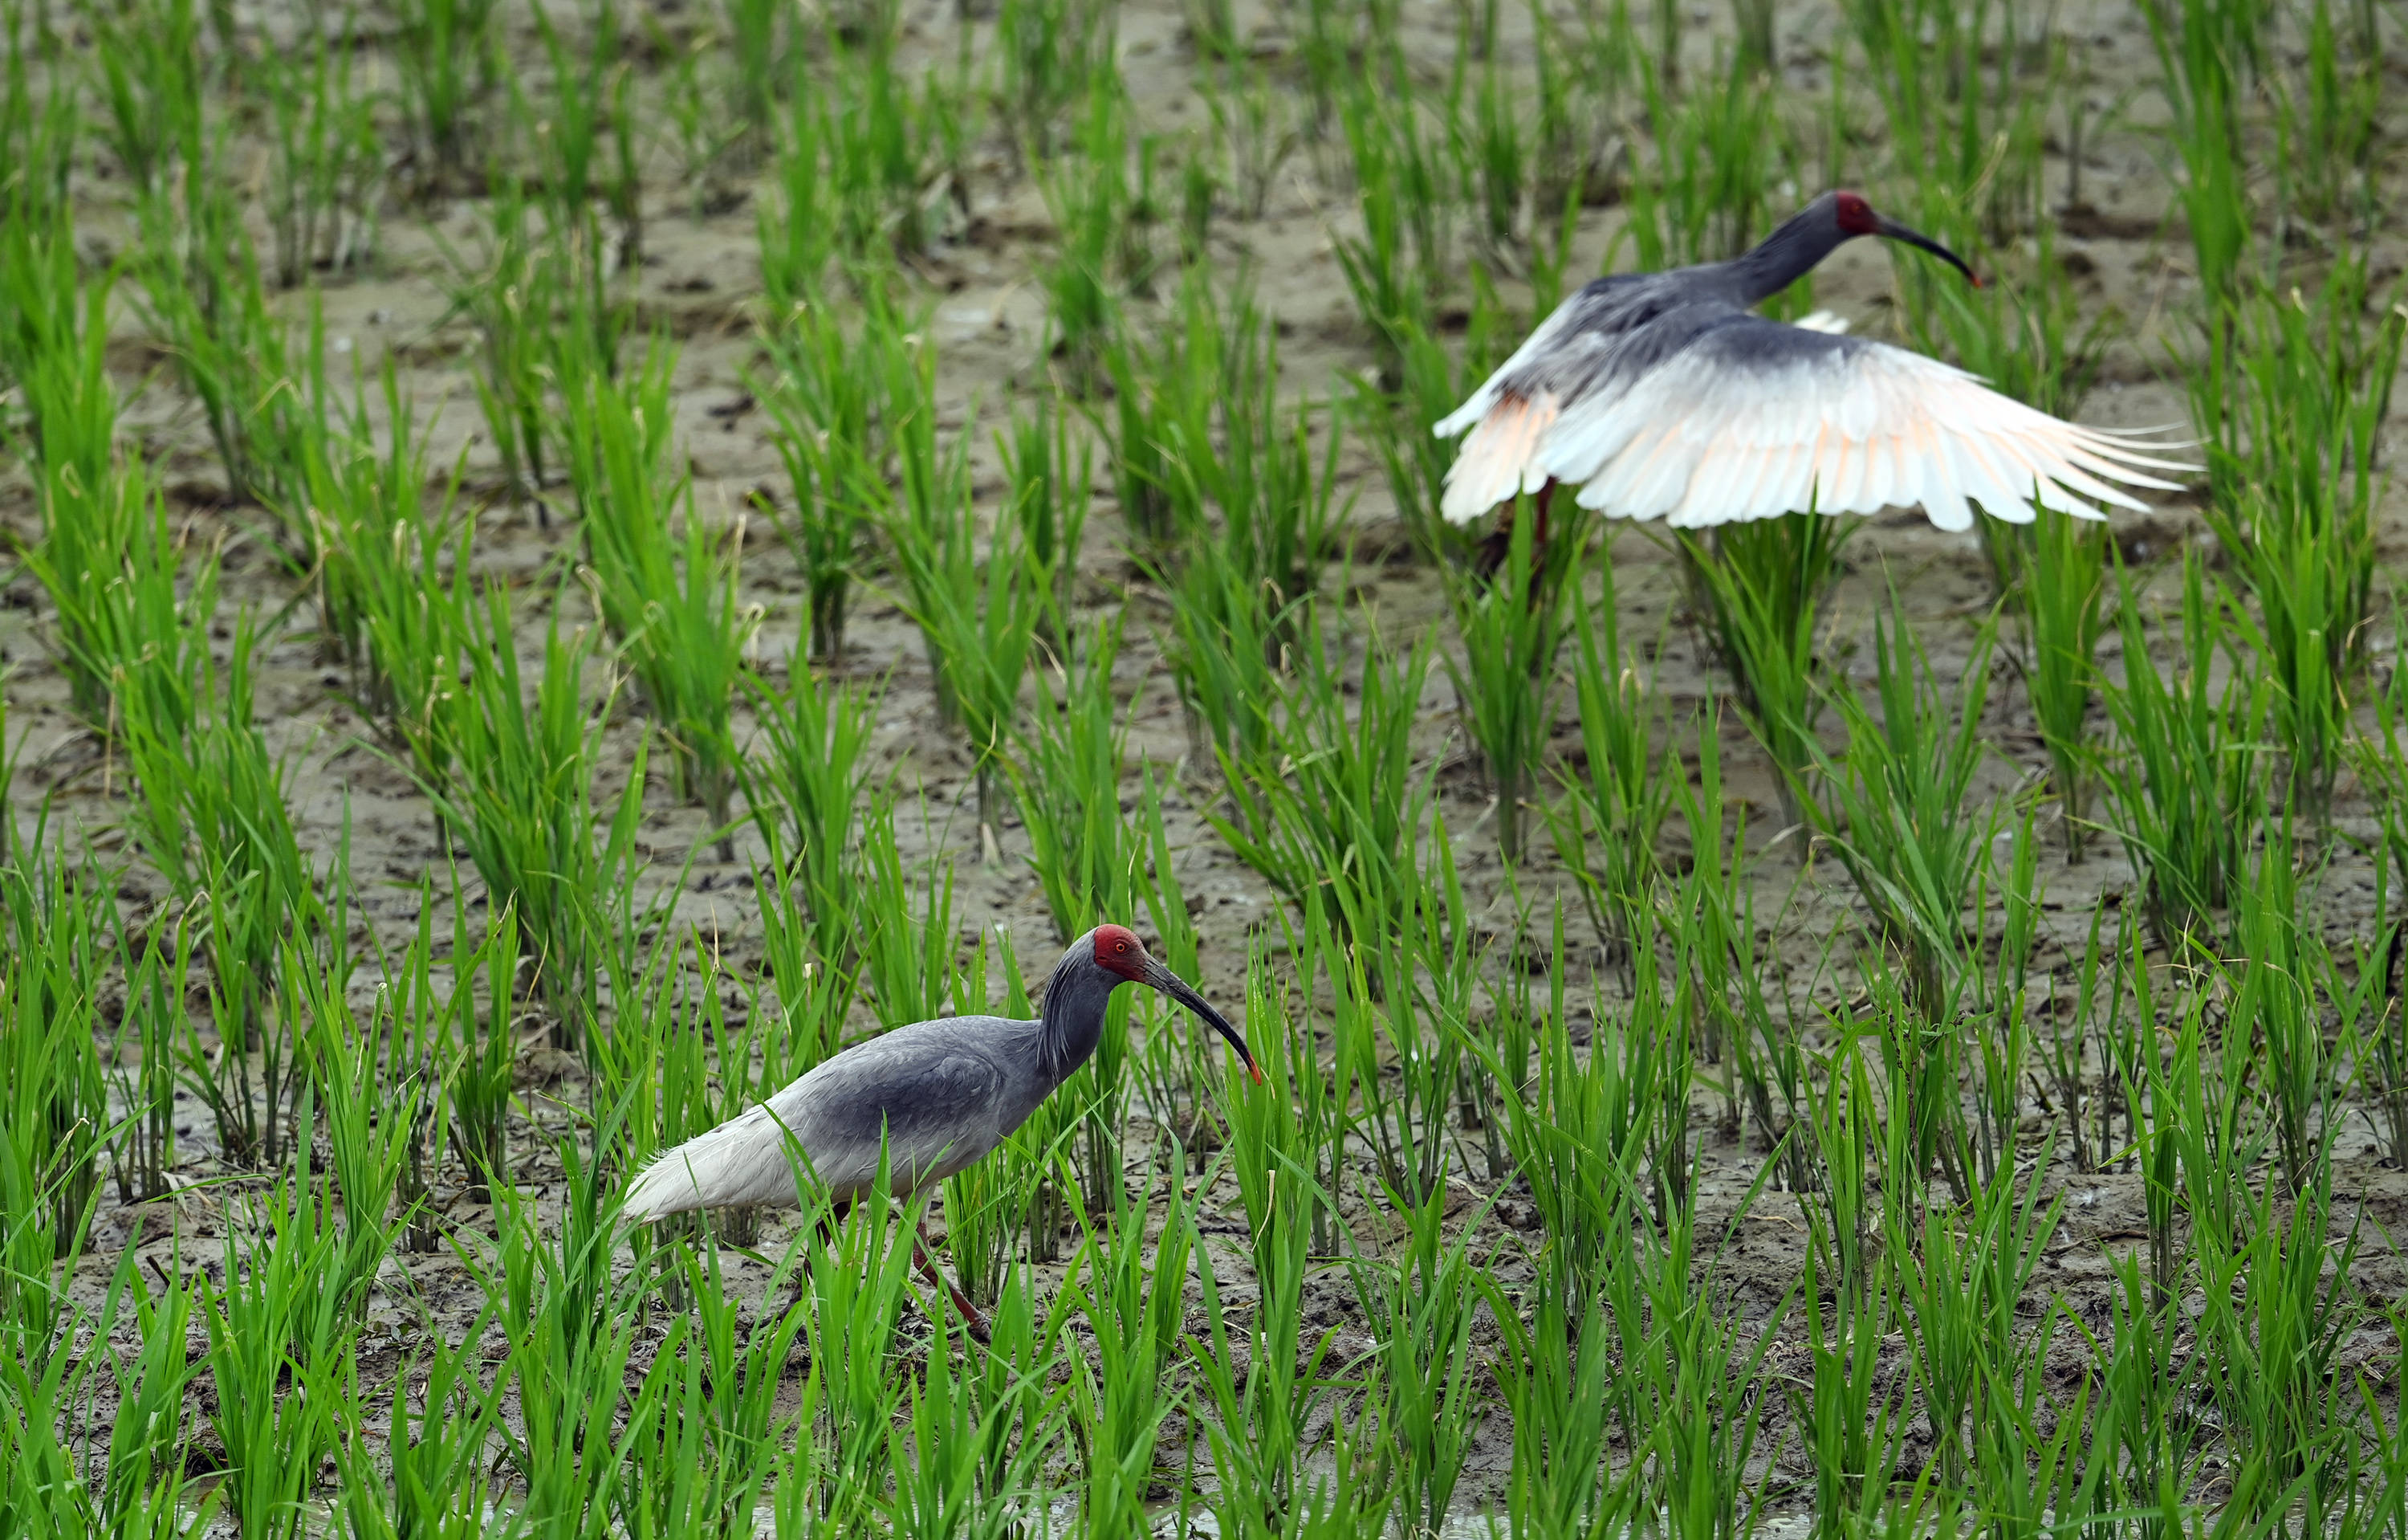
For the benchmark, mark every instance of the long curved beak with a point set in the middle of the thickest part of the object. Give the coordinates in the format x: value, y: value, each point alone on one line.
x: 1177, y: 989
x: 1890, y: 229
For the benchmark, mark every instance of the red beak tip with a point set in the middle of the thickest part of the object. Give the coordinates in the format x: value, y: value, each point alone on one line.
x: 1256, y: 1071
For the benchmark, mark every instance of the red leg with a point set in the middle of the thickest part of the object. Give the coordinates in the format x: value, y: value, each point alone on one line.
x: 971, y: 1315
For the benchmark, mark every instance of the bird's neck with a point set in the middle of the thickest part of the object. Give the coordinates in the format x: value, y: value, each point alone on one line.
x: 1782, y: 257
x: 1071, y: 1022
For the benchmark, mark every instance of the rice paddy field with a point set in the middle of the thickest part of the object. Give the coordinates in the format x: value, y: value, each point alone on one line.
x: 568, y: 558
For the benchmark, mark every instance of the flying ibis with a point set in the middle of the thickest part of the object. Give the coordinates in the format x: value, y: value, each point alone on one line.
x: 935, y: 1096
x: 1662, y: 395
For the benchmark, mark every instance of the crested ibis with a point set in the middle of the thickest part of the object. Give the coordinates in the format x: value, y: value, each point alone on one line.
x: 931, y: 1097
x: 1662, y: 395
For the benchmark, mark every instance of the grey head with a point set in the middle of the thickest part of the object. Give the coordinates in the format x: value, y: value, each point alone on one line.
x: 1813, y: 232
x: 1081, y: 989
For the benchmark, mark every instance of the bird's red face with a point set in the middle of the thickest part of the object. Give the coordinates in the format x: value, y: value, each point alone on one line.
x: 1856, y: 216
x: 1119, y: 951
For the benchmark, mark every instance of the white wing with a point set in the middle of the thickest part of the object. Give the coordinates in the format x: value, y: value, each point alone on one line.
x: 1754, y: 419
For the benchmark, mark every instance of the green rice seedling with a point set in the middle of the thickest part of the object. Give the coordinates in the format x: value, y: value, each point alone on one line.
x: 989, y: 1205
x: 822, y: 406
x: 1849, y: 1426
x: 1552, y: 1379
x: 743, y: 1360
x: 2028, y: 1467
x: 672, y: 608
x: 1152, y: 391
x: 44, y: 1492
x: 211, y: 816
x: 1923, y: 1054
x: 569, y: 1328
x: 56, y: 1107
x: 436, y: 1453
x: 2064, y: 615
x: 860, y: 1280
x: 796, y: 227
x: 1760, y: 589
x: 883, y: 156
x: 2002, y: 991
x: 1513, y: 631
x: 2065, y: 1052
x: 2205, y: 51
x: 1405, y: 1071
x: 1582, y: 1127
x: 2276, y: 993
x: 1050, y: 486
x: 676, y: 1479
x: 447, y: 59
x: 1137, y: 1311
x: 382, y: 595
x: 1425, y: 1388
x: 1717, y: 155
x: 2149, y: 1448
x: 1255, y: 126
x: 365, y: 1123
x: 1960, y: 1292
x: 1049, y: 54
x: 151, y: 84
x: 1731, y: 984
x: 1430, y: 382
x: 133, y: 647
x: 142, y: 1060
x: 2188, y: 794
x: 566, y: 131
x: 324, y: 163
x: 54, y: 350
x: 1088, y: 197
x: 2277, y: 1314
x: 807, y: 793
x: 1066, y: 774
x: 1966, y: 123
x: 2323, y: 123
x: 1391, y: 296
x: 1606, y: 822
x: 759, y: 67
x: 935, y: 1449
x: 1902, y: 817
x: 979, y: 623
x: 273, y: 1322
x: 522, y: 804
x: 1225, y: 659
x: 1257, y: 1424
x: 146, y: 1431
x: 1705, y: 1426
x: 1489, y: 144
x: 1233, y: 451
x: 1338, y: 830
x: 2289, y: 423
x: 204, y: 299
x: 511, y: 295
x: 38, y: 129
x: 907, y: 948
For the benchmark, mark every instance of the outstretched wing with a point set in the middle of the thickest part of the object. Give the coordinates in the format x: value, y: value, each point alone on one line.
x: 1750, y: 419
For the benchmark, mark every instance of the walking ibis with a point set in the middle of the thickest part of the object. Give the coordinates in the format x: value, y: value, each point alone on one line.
x: 933, y: 1098
x: 1661, y: 396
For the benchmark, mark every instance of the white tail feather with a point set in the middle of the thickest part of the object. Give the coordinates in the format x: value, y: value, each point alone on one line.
x: 743, y: 1161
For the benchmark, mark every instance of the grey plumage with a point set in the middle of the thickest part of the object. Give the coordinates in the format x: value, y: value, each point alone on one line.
x: 1662, y: 395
